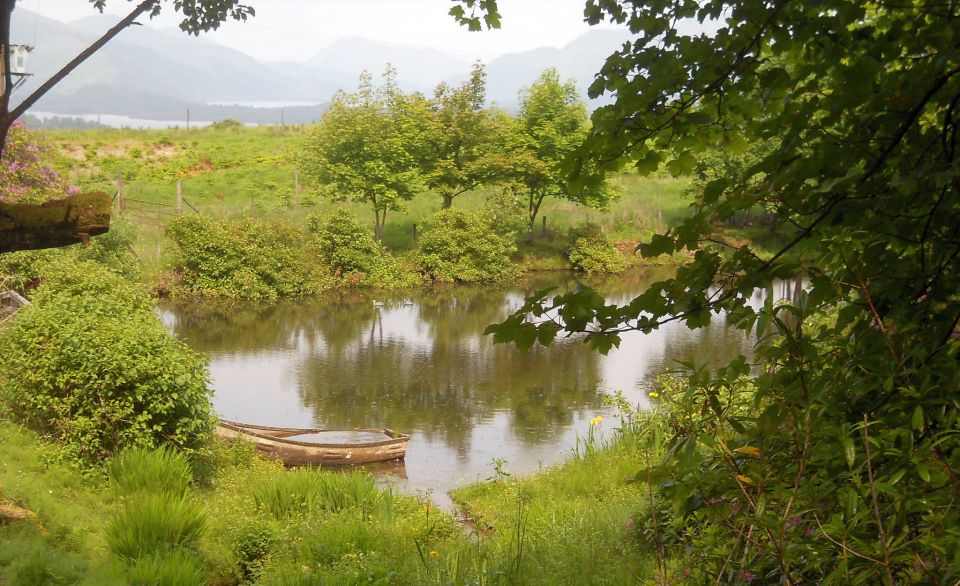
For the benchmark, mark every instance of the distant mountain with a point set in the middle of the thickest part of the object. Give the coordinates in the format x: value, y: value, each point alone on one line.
x: 146, y: 72
x: 156, y: 73
x: 580, y: 60
x: 417, y: 69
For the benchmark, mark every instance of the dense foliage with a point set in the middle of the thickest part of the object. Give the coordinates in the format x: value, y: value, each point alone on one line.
x: 351, y: 253
x: 835, y: 457
x: 460, y: 246
x: 244, y: 259
x: 91, y: 365
x: 465, y: 149
x: 26, y: 269
x: 552, y: 123
x: 367, y: 146
x: 591, y: 251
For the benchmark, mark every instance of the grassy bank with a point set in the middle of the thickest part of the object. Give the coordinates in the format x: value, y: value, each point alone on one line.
x: 570, y: 524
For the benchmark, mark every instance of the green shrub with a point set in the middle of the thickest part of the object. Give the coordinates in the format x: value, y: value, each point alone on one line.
x: 175, y: 567
x: 227, y: 124
x: 160, y: 470
x: 345, y: 245
x: 244, y: 259
x: 26, y: 269
x: 460, y: 246
x: 351, y: 252
x: 591, y: 251
x: 154, y: 523
x: 113, y: 250
x: 91, y: 365
x: 506, y: 212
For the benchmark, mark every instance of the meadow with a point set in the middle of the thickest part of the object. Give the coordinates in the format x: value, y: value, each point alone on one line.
x: 237, y: 172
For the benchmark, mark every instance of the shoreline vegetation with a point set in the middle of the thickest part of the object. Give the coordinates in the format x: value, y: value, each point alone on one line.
x: 232, y: 517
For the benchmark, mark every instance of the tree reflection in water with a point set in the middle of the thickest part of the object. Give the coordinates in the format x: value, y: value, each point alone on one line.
x: 421, y: 364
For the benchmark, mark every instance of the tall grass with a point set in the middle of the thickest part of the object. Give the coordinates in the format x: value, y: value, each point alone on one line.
x: 306, y: 491
x: 155, y: 522
x: 176, y: 567
x: 140, y: 469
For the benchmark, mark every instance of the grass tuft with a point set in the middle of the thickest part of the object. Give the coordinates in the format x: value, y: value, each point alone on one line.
x: 140, y: 469
x: 154, y: 522
x: 175, y: 567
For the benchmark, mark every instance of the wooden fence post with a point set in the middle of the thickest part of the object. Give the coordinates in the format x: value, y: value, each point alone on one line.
x: 120, y: 199
x: 414, y: 233
x: 543, y: 228
x: 179, y: 195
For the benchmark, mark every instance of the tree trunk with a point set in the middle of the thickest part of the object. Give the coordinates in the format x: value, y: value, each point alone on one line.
x: 447, y: 201
x: 533, y: 207
x: 54, y: 223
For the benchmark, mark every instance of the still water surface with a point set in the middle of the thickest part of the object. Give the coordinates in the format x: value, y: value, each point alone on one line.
x: 421, y: 364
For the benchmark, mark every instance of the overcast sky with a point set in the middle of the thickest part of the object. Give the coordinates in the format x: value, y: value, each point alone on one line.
x: 295, y: 29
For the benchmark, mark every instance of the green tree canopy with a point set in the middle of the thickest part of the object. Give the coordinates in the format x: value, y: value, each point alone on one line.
x: 552, y: 124
x: 464, y: 149
x: 836, y: 457
x: 369, y: 145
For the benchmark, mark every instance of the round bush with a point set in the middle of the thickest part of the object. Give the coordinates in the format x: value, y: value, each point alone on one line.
x: 91, y: 365
x: 459, y: 246
x: 350, y: 251
x: 345, y: 245
x: 591, y: 251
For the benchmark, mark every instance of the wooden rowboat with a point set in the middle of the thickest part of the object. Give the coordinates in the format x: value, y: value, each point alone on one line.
x: 326, y: 447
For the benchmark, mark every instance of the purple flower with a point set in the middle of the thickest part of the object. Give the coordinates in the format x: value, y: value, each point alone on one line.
x: 747, y: 576
x: 73, y: 190
x: 793, y: 521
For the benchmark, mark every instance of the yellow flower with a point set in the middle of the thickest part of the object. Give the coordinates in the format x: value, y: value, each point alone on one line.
x: 653, y: 394
x: 596, y: 420
x: 749, y: 451
x: 434, y: 554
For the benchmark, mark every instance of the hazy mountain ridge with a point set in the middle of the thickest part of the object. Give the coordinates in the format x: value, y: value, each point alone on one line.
x: 159, y: 73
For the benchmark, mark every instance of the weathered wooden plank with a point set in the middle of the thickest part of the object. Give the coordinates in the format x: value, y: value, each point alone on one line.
x: 54, y: 223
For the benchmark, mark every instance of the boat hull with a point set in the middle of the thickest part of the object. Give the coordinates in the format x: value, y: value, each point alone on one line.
x: 274, y: 442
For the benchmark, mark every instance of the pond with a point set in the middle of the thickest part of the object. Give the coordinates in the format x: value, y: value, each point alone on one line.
x: 419, y: 363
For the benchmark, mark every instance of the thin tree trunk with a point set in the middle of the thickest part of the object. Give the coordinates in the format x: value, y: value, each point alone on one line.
x: 535, y: 202
x: 6, y: 10
x: 447, y: 201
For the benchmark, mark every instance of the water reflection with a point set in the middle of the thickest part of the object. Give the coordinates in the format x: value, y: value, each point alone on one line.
x: 419, y: 363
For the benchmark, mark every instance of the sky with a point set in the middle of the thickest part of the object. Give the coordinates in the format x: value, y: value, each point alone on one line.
x: 293, y: 30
